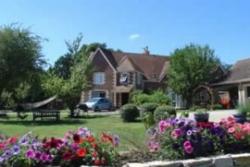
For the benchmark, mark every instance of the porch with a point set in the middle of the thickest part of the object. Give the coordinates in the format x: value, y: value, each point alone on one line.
x: 236, y: 93
x: 121, y: 95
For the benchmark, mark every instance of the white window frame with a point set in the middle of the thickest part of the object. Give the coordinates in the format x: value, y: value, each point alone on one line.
x: 99, y: 78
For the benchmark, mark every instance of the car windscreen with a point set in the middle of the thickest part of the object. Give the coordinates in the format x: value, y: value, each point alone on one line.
x: 93, y: 100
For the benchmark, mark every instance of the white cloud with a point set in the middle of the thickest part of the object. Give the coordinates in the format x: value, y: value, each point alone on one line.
x: 134, y: 37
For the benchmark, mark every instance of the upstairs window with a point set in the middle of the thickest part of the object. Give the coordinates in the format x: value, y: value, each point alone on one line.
x: 124, y: 78
x: 99, y: 78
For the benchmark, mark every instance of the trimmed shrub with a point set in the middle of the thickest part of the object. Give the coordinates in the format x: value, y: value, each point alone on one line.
x: 218, y: 107
x: 147, y: 114
x: 149, y: 107
x: 160, y: 97
x: 195, y: 108
x: 148, y: 120
x: 164, y: 112
x: 129, y: 112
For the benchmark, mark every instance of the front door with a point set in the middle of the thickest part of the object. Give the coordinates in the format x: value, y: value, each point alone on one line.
x: 125, y: 98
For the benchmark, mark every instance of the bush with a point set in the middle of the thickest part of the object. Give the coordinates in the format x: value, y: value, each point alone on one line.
x: 160, y: 98
x: 140, y: 98
x: 218, y: 107
x: 164, y: 112
x: 148, y: 120
x: 245, y: 109
x: 149, y: 107
x: 185, y: 113
x: 195, y: 108
x: 129, y: 112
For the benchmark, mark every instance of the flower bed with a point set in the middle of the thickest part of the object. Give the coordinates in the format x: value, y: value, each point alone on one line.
x: 183, y: 138
x: 74, y: 149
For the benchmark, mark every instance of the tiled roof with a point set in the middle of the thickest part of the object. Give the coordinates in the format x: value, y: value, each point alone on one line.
x: 152, y: 66
x: 240, y: 72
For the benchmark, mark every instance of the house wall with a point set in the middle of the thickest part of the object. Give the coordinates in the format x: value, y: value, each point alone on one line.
x: 242, y: 92
x: 100, y: 64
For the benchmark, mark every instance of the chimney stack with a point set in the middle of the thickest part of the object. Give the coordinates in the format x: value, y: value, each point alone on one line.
x: 146, y: 51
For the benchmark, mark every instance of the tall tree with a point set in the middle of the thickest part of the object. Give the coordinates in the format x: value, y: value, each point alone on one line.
x: 190, y: 67
x: 69, y: 89
x: 63, y: 66
x: 20, y: 57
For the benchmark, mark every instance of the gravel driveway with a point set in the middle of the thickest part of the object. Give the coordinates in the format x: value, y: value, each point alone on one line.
x: 217, y: 115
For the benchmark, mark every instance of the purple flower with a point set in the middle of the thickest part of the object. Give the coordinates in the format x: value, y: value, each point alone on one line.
x: 7, y: 154
x: 23, y: 141
x: 38, y: 155
x: 1, y: 159
x: 30, y: 154
x: 84, y: 132
x: 44, y: 157
x: 15, y: 149
x: 189, y: 132
x: 116, y: 140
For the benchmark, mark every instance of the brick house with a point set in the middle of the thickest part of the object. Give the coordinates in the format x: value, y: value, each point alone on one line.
x: 116, y: 74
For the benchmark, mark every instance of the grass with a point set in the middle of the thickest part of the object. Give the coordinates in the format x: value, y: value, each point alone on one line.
x: 132, y: 135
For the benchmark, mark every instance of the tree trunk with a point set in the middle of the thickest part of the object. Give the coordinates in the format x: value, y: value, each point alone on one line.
x: 71, y: 112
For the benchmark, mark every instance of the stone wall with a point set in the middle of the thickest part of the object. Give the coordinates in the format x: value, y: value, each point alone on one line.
x: 230, y: 160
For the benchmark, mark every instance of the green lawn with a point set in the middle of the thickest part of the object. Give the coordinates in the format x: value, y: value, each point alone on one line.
x: 131, y: 134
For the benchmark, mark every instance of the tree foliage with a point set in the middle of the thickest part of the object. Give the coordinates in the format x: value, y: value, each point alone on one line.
x: 20, y: 59
x: 69, y: 88
x: 63, y: 66
x: 190, y: 67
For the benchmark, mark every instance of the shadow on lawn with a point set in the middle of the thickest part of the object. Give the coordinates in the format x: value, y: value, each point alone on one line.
x: 64, y: 121
x: 44, y: 122
x: 87, y: 117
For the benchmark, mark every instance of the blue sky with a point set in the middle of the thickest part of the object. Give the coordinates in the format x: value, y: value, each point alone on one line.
x: 130, y: 25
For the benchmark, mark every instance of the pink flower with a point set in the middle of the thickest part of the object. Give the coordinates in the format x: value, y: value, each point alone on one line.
x: 153, y: 146
x: 176, y: 133
x: 187, y: 144
x: 163, y: 125
x: 231, y: 119
x: 231, y: 130
x: 188, y: 147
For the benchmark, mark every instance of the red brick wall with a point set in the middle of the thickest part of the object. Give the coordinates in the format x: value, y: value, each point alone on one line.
x: 101, y: 65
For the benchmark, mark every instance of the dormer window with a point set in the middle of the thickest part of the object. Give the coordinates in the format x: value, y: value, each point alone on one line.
x: 124, y: 78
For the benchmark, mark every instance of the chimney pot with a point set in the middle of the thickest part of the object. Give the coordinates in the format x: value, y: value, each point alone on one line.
x: 146, y: 51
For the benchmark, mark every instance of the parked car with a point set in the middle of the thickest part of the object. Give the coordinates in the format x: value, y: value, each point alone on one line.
x: 99, y: 104
x: 82, y: 106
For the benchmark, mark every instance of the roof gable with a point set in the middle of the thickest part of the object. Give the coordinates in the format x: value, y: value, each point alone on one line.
x: 125, y: 65
x: 240, y: 72
x: 151, y: 66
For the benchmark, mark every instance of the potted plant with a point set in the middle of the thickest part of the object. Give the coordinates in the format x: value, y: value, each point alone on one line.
x: 201, y: 115
x: 185, y: 114
x: 241, y: 115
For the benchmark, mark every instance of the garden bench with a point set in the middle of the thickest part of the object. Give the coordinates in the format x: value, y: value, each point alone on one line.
x: 46, y: 114
x: 3, y: 114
